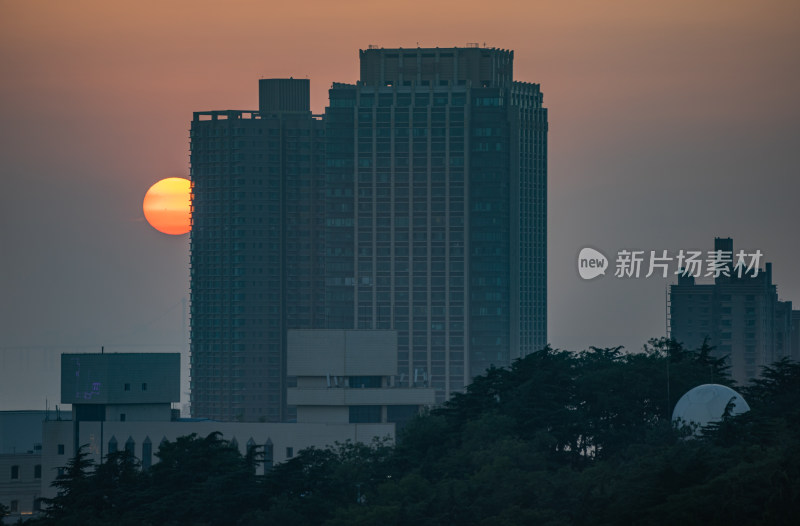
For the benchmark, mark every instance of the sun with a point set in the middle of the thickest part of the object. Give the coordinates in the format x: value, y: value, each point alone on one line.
x: 166, y: 206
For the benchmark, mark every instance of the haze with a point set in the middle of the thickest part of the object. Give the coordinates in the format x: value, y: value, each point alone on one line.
x: 669, y: 124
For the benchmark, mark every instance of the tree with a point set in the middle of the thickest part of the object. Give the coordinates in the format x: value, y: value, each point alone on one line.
x: 557, y: 438
x: 70, y: 505
x: 199, y: 481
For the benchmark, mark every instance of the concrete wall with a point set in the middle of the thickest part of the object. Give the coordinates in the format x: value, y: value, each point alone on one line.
x: 323, y: 413
x: 120, y: 378
x: 25, y: 489
x: 139, y: 412
x: 342, y: 353
x: 356, y: 396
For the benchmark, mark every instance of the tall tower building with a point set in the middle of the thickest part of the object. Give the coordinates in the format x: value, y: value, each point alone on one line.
x: 740, y: 316
x: 256, y: 249
x: 436, y: 210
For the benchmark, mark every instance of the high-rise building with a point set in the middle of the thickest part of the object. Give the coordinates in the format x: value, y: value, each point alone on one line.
x: 436, y: 210
x: 417, y: 204
x: 741, y: 316
x: 256, y: 249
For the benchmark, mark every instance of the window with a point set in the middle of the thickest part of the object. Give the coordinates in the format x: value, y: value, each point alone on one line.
x: 365, y: 414
x: 127, y: 387
x: 289, y: 452
x: 14, y: 472
x: 61, y: 449
x: 60, y: 472
x: 122, y: 417
x: 37, y: 471
x: 144, y: 386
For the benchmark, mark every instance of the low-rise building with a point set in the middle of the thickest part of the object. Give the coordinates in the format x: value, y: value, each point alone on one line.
x: 347, y: 390
x: 21, y: 461
x: 351, y: 376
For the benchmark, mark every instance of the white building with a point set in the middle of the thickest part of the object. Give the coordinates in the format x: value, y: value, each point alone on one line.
x: 346, y: 390
x: 21, y: 462
x: 350, y: 376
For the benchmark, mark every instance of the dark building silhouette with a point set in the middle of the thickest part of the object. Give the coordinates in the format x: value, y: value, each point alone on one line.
x: 436, y: 210
x: 741, y: 316
x: 256, y: 253
x: 418, y: 203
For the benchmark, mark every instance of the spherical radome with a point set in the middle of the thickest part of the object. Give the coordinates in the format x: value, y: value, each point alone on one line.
x: 706, y: 403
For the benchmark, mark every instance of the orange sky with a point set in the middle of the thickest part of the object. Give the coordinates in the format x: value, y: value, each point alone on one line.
x: 670, y: 123
x: 113, y: 61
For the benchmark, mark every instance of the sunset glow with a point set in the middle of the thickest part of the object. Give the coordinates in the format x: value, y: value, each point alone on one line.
x: 166, y: 206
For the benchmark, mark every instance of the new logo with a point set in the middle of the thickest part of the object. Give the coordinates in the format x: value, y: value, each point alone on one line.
x: 591, y: 263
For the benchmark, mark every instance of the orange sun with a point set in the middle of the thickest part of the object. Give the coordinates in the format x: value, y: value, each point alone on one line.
x: 166, y: 206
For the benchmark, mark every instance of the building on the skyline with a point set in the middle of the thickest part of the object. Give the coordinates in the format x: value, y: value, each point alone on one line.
x: 345, y: 393
x: 417, y: 203
x: 742, y: 318
x: 123, y: 401
x: 436, y: 210
x: 350, y: 376
x: 256, y: 249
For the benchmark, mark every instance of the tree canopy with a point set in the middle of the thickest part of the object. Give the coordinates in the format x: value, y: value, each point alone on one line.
x: 557, y: 438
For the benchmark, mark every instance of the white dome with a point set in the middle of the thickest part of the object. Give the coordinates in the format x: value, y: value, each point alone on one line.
x: 706, y: 403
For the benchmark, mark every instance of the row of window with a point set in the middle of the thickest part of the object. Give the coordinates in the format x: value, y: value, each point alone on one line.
x: 16, y: 472
x: 13, y: 506
x: 402, y: 99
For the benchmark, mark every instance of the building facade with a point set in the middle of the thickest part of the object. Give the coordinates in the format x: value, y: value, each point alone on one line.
x: 436, y: 210
x: 21, y: 463
x: 417, y: 203
x: 350, y: 376
x: 123, y: 401
x: 741, y: 317
x: 256, y: 249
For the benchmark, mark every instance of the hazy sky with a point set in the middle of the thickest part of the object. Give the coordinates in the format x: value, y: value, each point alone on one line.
x: 670, y: 124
